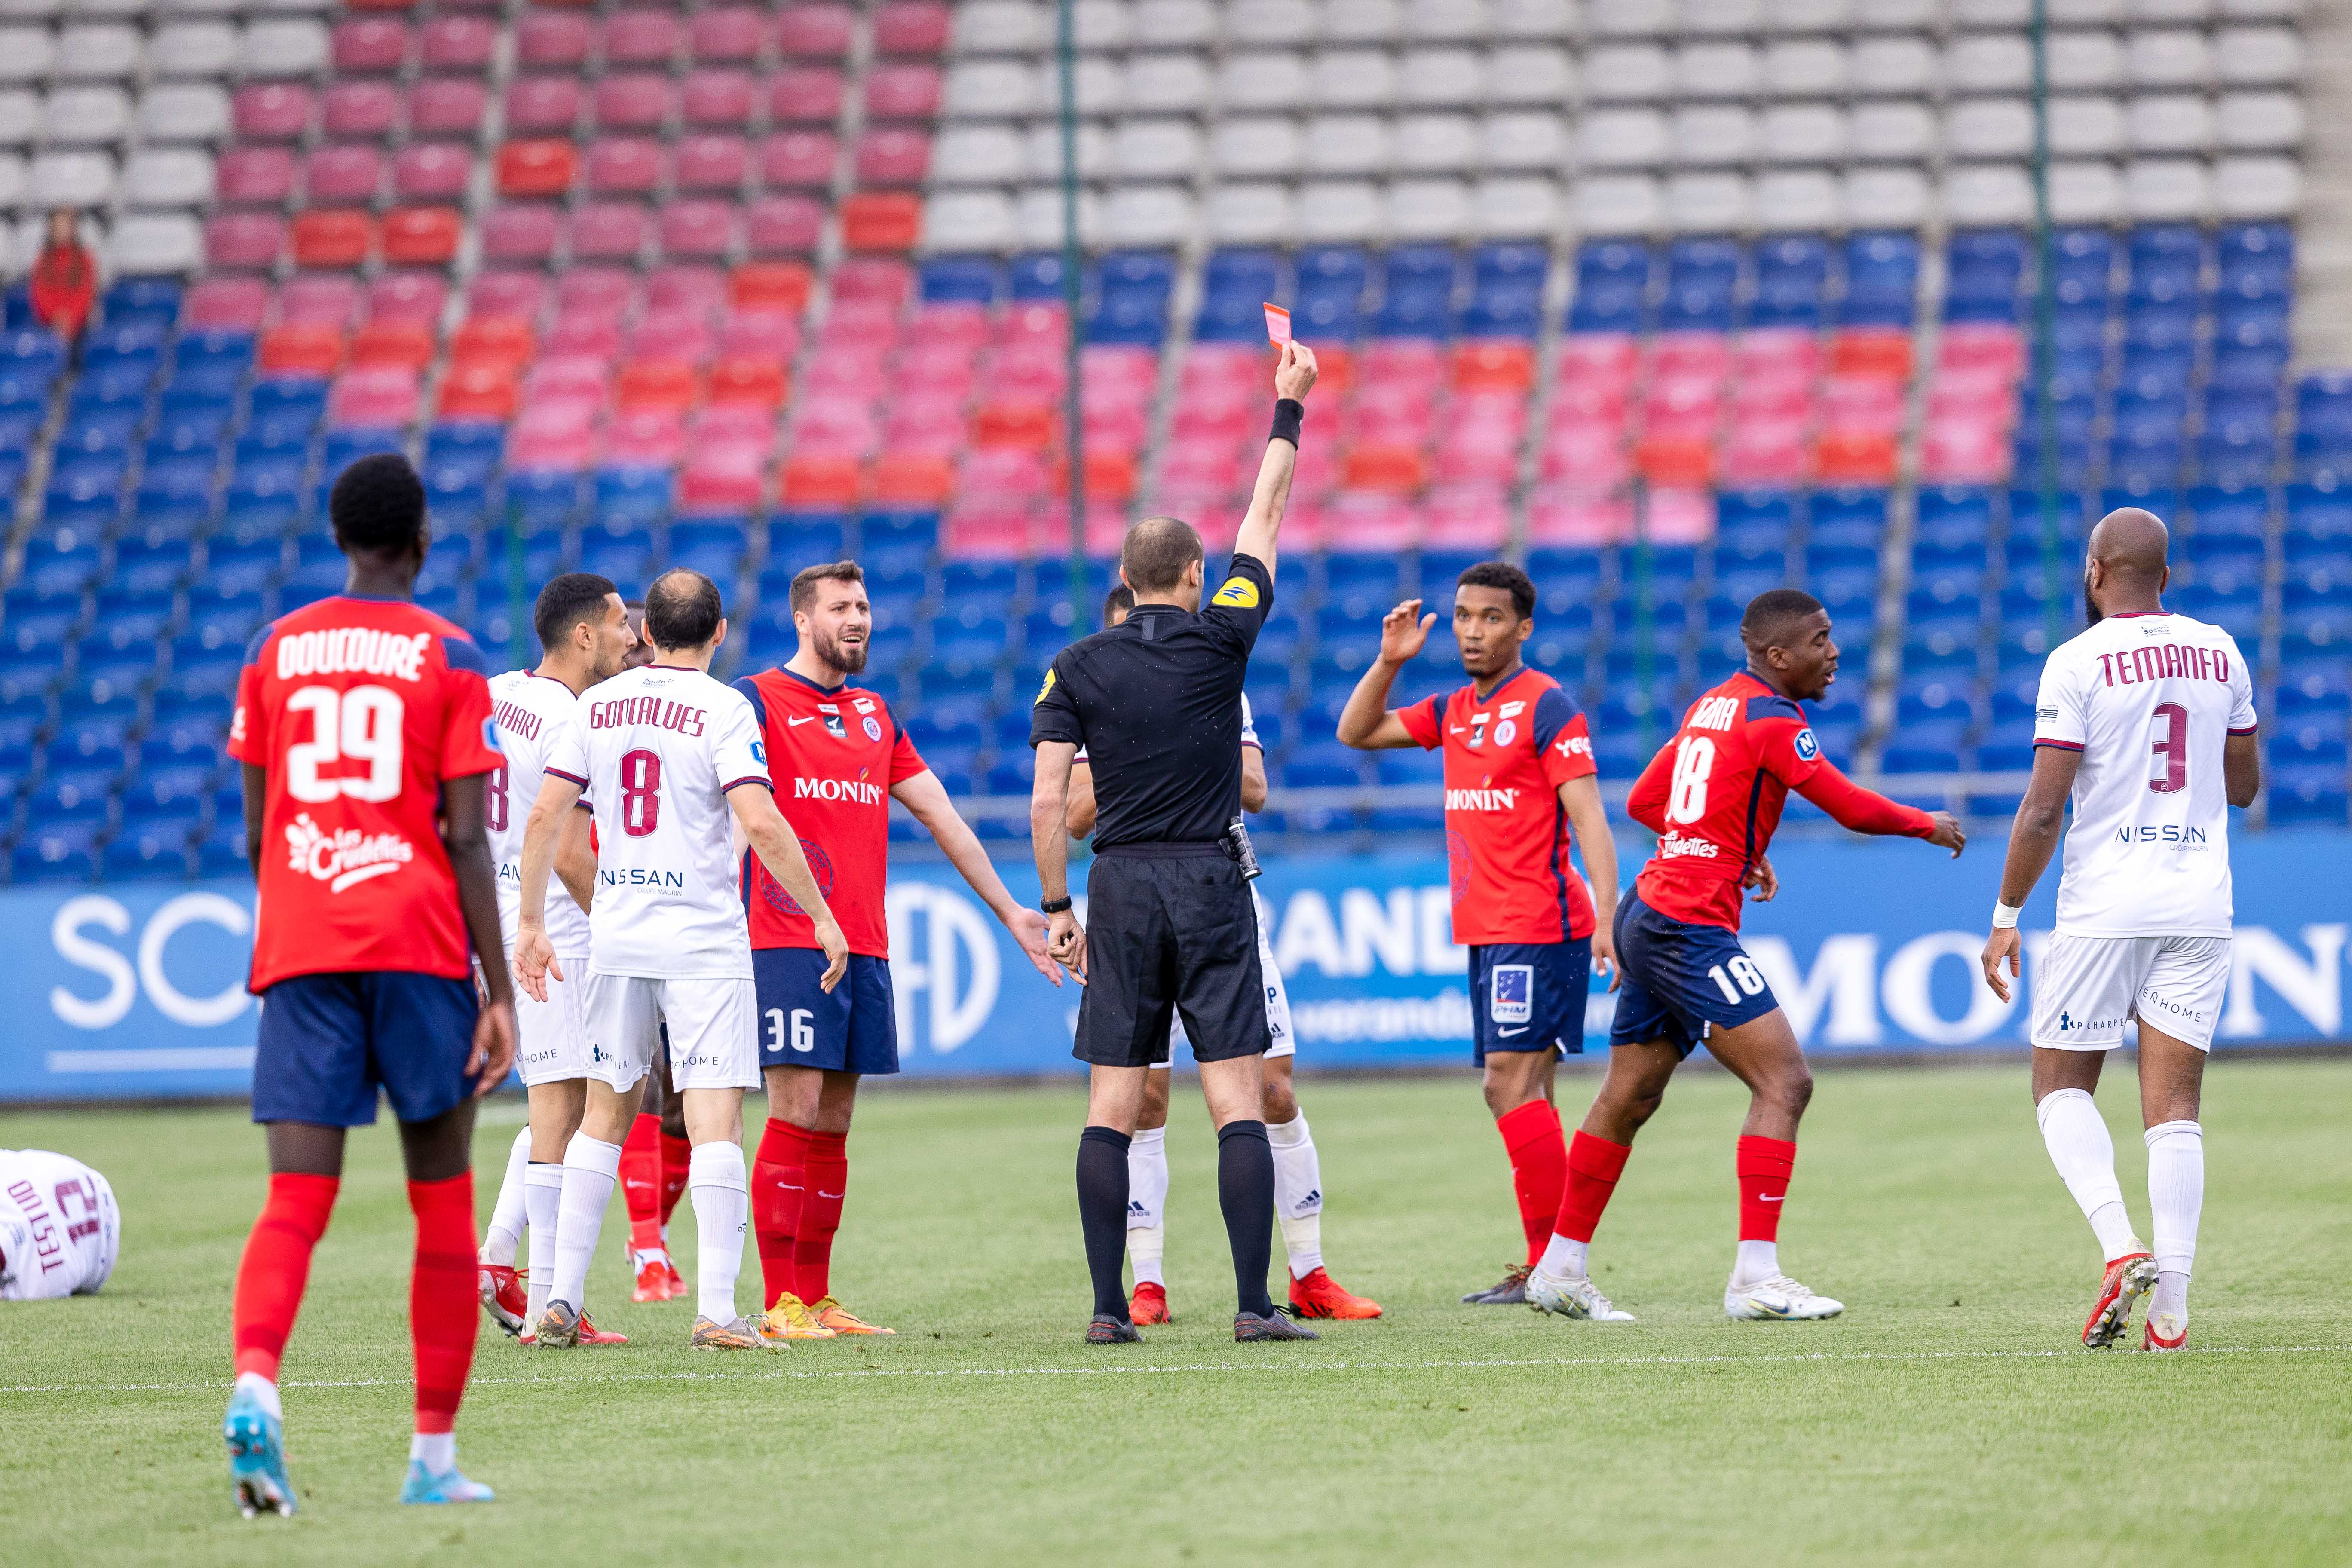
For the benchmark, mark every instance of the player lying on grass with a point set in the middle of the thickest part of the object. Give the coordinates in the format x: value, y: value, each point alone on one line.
x: 1713, y: 794
x: 1298, y: 1173
x: 671, y: 757
x: 59, y: 1229
x: 583, y: 637
x: 363, y: 726
x: 2146, y: 722
x: 1518, y: 775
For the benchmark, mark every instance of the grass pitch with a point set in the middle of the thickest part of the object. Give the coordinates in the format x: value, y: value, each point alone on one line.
x: 1949, y: 1416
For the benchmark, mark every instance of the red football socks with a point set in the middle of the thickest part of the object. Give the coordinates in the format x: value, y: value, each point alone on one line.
x: 276, y: 1265
x: 442, y: 1316
x: 1539, y: 1167
x: 677, y: 1154
x: 779, y: 1183
x: 641, y: 1181
x: 1593, y: 1166
x: 828, y: 1180
x: 1764, y: 1167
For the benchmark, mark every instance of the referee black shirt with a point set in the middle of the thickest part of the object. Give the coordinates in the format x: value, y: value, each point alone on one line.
x: 1156, y: 702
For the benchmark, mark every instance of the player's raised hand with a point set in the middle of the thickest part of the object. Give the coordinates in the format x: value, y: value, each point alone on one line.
x: 2000, y: 947
x: 1403, y: 631
x: 534, y: 961
x: 494, y: 1046
x: 1066, y: 944
x: 1948, y: 835
x: 1761, y: 881
x: 1295, y: 372
x: 1028, y: 928
x: 836, y: 952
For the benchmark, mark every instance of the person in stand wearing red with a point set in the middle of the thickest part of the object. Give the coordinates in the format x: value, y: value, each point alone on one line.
x: 65, y: 277
x: 839, y: 759
x: 1714, y: 794
x: 1518, y: 775
x: 364, y: 727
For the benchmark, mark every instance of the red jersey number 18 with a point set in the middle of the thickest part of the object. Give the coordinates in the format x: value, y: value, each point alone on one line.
x: 1693, y: 761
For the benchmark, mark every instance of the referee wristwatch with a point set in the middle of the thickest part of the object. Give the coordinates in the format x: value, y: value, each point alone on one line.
x: 1054, y: 906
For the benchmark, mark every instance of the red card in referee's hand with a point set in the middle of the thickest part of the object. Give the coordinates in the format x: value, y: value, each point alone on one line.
x: 1277, y: 325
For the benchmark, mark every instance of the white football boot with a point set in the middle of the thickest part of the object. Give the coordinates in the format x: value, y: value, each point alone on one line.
x: 1778, y: 1300
x: 1572, y: 1299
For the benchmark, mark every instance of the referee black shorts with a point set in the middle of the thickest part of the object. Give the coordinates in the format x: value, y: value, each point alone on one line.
x: 1169, y: 930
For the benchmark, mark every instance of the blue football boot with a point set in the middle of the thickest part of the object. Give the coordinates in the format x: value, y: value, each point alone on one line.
x: 256, y: 1457
x: 449, y: 1485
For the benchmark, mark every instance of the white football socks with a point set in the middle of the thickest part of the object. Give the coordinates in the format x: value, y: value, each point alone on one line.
x: 437, y: 1451
x: 1147, y: 1204
x: 542, y: 1198
x: 1756, y: 1262
x: 1297, y: 1193
x: 2176, y: 1196
x: 2076, y: 1136
x: 1563, y: 1258
x: 504, y: 1232
x: 591, y: 1168
x: 263, y: 1390
x: 722, y: 1208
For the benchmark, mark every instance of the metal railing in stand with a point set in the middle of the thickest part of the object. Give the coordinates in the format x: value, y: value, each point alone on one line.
x: 1073, y: 296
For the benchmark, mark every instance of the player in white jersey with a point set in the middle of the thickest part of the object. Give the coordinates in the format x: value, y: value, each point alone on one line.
x: 2146, y: 722
x: 583, y: 637
x: 670, y: 758
x: 1297, y: 1170
x: 59, y: 1229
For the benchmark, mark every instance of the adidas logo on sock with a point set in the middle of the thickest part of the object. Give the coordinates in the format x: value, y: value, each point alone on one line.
x: 1135, y: 1207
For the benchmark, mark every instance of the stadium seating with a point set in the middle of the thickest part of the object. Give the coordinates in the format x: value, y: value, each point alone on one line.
x: 750, y: 286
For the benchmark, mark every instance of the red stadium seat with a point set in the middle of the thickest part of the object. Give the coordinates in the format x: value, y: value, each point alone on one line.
x: 726, y: 35
x: 1776, y: 351
x: 1692, y: 356
x: 516, y: 294
x: 1863, y: 402
x: 875, y: 279
x: 254, y: 176
x: 608, y: 292
x: 370, y: 46
x: 493, y: 340
x: 1031, y: 426
x: 332, y: 238
x: 478, y: 392
x: 646, y: 435
x: 360, y: 110
x: 422, y: 236
x: 709, y: 162
x: 301, y: 349
x: 640, y: 37
x: 552, y: 40
x: 893, y: 155
x: 1683, y: 406
x: 1490, y: 364
x: 1109, y: 475
x: 674, y: 334
x: 432, y: 171
x: 1854, y: 458
x: 1971, y: 345
x: 271, y: 112
x: 560, y: 380
x: 381, y: 4
x: 1007, y: 471
x: 1675, y: 460
x: 903, y: 477
x: 815, y: 32
x: 346, y: 175
x: 1591, y: 456
x: 924, y: 421
x: 723, y: 478
x: 761, y: 334
x: 798, y: 159
x: 771, y: 286
x: 462, y: 45
x: 676, y: 286
x: 1771, y: 396
x: 232, y: 304
x: 1607, y: 358
x: 784, y: 226
x: 812, y: 478
x: 624, y: 166
x: 1584, y: 401
x: 1465, y: 517
x: 1579, y: 515
x: 407, y: 297
x: 319, y: 299
x: 608, y: 231
x: 1884, y: 352
x: 1764, y: 452
x: 543, y: 105
x: 754, y: 381
x: 635, y: 100
x: 537, y: 166
x: 1398, y: 470
x: 519, y: 234
x: 656, y: 384
x: 698, y: 229
x: 1964, y: 452
x: 447, y: 106
x: 804, y: 95
x: 404, y: 343
x: 902, y: 91
x: 1369, y: 520
x: 719, y: 100
x: 834, y: 423
x: 988, y: 528
x: 910, y: 27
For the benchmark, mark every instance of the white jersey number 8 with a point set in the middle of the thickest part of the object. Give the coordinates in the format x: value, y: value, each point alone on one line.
x: 363, y: 724
x: 1693, y: 761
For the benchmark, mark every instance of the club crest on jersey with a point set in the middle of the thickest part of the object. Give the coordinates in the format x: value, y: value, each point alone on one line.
x: 1506, y: 732
x: 873, y: 728
x: 1807, y: 748
x: 1512, y: 999
x: 1238, y: 591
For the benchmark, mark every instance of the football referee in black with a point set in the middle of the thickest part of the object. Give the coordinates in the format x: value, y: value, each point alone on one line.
x: 1156, y: 702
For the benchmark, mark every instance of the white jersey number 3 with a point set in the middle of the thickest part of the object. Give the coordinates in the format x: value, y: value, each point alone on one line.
x: 1693, y: 761
x: 361, y: 725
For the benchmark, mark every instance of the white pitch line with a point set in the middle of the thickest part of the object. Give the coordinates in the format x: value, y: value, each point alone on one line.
x: 1118, y: 1371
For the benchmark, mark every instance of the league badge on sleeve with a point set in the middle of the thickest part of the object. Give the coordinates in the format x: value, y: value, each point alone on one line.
x: 1238, y: 591
x: 489, y: 734
x: 1808, y: 747
x: 1513, y: 1000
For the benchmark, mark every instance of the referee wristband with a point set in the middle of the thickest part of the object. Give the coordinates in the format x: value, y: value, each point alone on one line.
x: 1289, y: 413
x: 2004, y: 916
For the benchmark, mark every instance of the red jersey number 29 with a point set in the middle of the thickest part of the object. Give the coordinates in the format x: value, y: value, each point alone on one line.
x: 1693, y: 761
x: 359, y: 726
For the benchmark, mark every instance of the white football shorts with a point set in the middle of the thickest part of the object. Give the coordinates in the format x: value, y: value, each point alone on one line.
x: 712, y: 1020
x: 551, y: 1036
x: 2088, y: 990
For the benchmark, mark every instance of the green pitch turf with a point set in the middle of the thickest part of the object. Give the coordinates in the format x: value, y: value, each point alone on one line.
x: 1950, y: 1417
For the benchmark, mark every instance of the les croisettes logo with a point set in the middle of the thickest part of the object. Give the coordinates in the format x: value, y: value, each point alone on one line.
x: 1238, y: 591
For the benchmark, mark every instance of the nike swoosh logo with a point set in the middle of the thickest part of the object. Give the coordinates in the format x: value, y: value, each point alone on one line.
x: 823, y: 1194
x: 1767, y: 1198
x: 796, y: 723
x: 1522, y: 1029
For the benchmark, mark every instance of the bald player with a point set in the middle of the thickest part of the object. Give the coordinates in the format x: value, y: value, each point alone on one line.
x: 2145, y: 721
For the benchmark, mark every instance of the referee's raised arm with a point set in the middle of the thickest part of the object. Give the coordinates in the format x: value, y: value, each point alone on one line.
x: 1293, y: 378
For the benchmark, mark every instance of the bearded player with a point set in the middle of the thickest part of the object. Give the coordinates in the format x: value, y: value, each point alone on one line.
x: 1519, y: 777
x: 2146, y: 721
x: 1713, y: 794
x: 840, y: 760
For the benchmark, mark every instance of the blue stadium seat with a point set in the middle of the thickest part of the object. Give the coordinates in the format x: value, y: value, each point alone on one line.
x: 56, y: 851
x: 714, y: 549
x: 153, y: 850
x: 962, y: 279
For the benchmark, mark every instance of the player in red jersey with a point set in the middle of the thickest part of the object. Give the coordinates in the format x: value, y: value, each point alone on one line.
x: 1519, y: 777
x: 363, y: 725
x: 839, y: 759
x: 1713, y: 794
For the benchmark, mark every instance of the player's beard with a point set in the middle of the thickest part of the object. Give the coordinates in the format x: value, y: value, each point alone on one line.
x: 848, y: 658
x: 2091, y: 617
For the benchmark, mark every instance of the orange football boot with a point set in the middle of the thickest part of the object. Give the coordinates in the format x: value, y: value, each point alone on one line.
x: 657, y: 1279
x: 590, y: 1334
x: 1320, y: 1295
x: 841, y: 1321
x: 2129, y: 1278
x: 1149, y: 1305
x: 503, y: 1296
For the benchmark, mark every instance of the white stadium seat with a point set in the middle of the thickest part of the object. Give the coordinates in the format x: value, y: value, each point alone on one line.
x: 1804, y: 67
x: 1622, y: 138
x: 25, y: 53
x: 1808, y: 17
x: 77, y: 179
x: 1338, y: 211
x: 1899, y: 65
x: 1633, y: 19
x: 1517, y: 18
x: 2086, y: 193
x: 2258, y: 57
x: 1618, y: 203
x: 1622, y: 73
x: 1149, y: 216
x: 1707, y: 203
x: 1435, y: 20
x: 1174, y: 23
x: 1361, y: 21
x: 1098, y: 81
x: 2162, y: 190
x: 1037, y: 218
x: 1884, y: 197
x: 32, y: 10
x: 151, y: 243
x: 12, y: 173
x: 2177, y: 13
x: 1989, y: 62
x: 1429, y: 209
x: 1043, y: 143
x: 1715, y: 71
x: 1264, y: 78
x: 969, y: 220
x: 1713, y: 133
x: 2257, y: 187
x: 1733, y: 17
x: 2171, y: 122
x: 1002, y: 27
x: 279, y: 7
x: 1100, y: 23
x: 285, y: 47
x: 1165, y: 84
x: 977, y: 154
x: 2266, y: 10
x: 201, y: 48
x: 993, y: 90
x: 1989, y: 128
x: 102, y: 51
x: 2249, y: 120
x: 1891, y: 15
x: 1802, y: 133
x: 2083, y: 61
x: 20, y: 117
x: 1344, y: 78
x: 179, y: 9
x: 1256, y: 147
x: 1435, y: 143
x: 2086, y: 127
x: 1897, y: 130
x: 2087, y: 13
x: 1347, y: 145
x: 1440, y: 78
x: 1155, y: 150
x: 2166, y: 57
x: 1524, y: 139
x: 1256, y: 24
x: 183, y: 112
x: 1530, y: 73
x: 1250, y: 214
x: 1988, y: 13
x: 1516, y: 205
x: 1797, y: 198
x: 168, y: 177
x: 1987, y: 195
x: 84, y: 116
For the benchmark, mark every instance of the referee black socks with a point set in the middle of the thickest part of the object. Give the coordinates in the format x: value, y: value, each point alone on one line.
x: 1245, y: 1191
x: 1102, y: 1213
